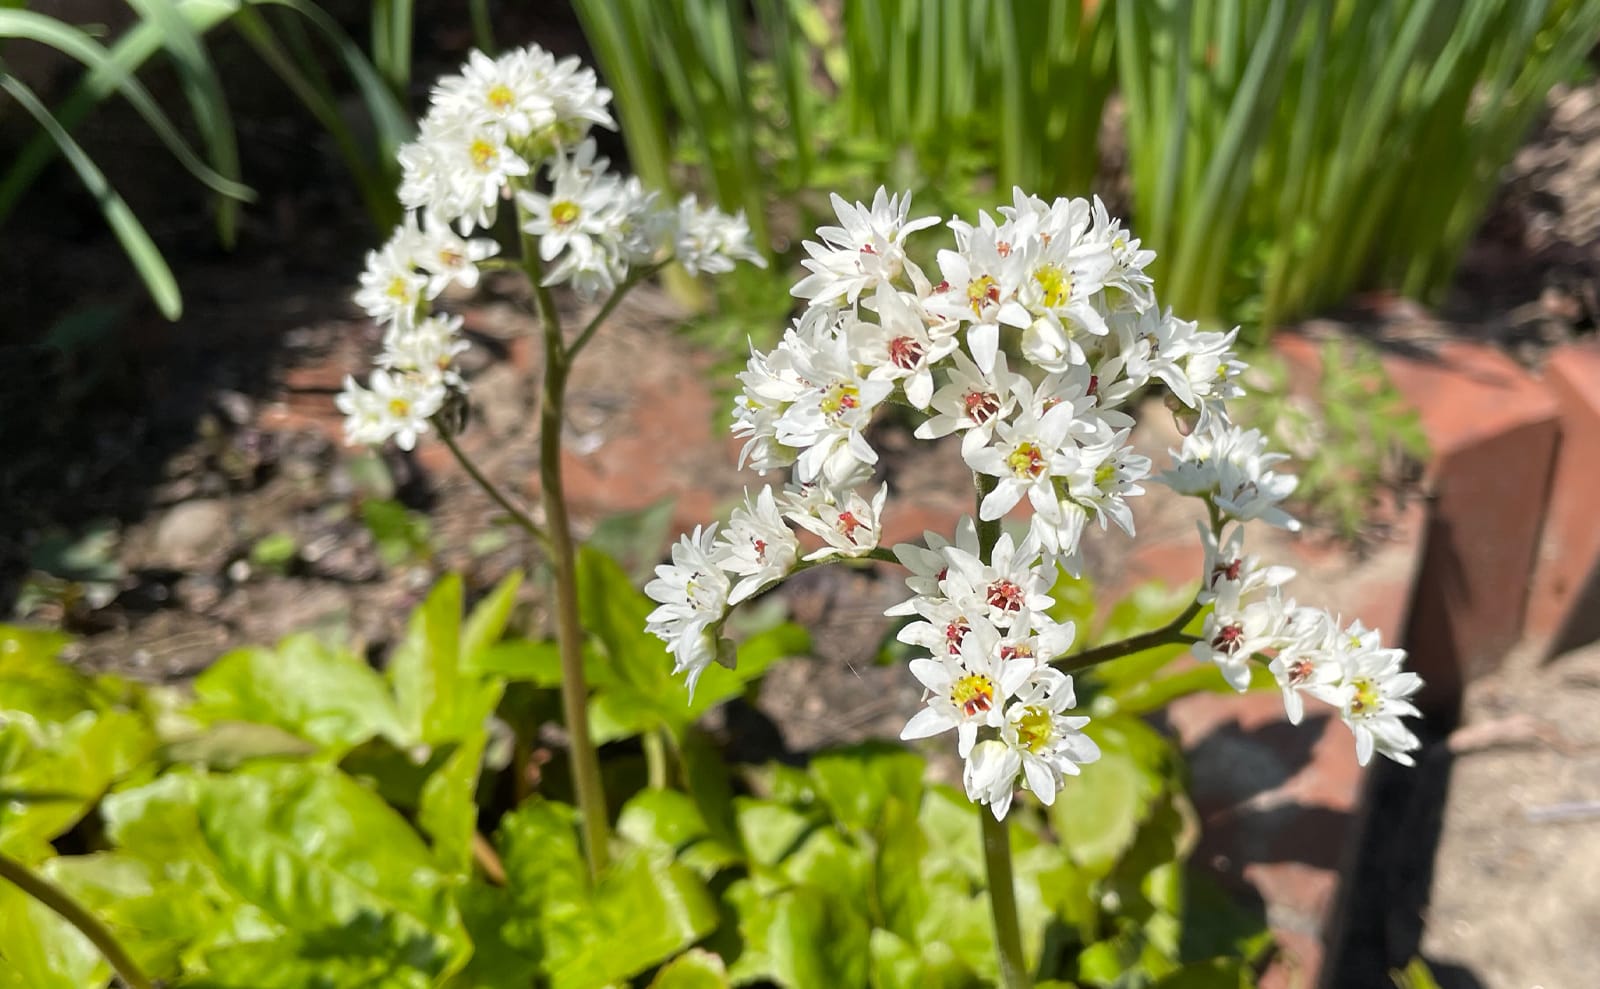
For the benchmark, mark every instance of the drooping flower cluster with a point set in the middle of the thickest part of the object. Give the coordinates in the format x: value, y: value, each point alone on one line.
x: 1038, y: 329
x: 512, y: 129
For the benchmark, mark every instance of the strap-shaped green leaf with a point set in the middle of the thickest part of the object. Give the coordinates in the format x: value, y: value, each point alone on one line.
x: 136, y: 243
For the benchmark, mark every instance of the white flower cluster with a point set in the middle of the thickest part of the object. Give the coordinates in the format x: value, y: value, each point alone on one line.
x: 1040, y: 329
x: 505, y: 129
x: 1346, y: 667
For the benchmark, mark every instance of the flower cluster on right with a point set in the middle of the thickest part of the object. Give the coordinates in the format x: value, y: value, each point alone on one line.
x: 1038, y: 330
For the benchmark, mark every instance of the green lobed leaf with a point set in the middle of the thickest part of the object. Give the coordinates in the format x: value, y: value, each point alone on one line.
x: 328, y: 859
x: 856, y: 782
x: 800, y: 938
x: 495, y: 963
x: 448, y: 809
x: 1097, y: 814
x: 323, y: 694
x: 487, y: 622
x: 437, y: 701
x: 39, y: 950
x: 56, y: 779
x: 694, y: 969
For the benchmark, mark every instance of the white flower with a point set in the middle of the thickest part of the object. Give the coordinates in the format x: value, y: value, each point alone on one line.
x: 1231, y: 466
x: 945, y: 625
x: 863, y: 251
x: 756, y: 546
x: 391, y: 288
x: 1042, y: 742
x: 693, y: 595
x: 710, y: 241
x: 900, y: 347
x: 445, y: 256
x: 967, y: 690
x: 850, y: 529
x: 1108, y: 473
x: 427, y: 348
x: 827, y: 421
x: 1027, y: 455
x: 395, y: 406
x: 1375, y: 696
x: 979, y: 288
x: 507, y: 90
x: 1230, y: 639
x: 1308, y: 661
x: 1010, y: 586
x: 581, y: 207
x: 928, y: 564
x: 458, y: 169
x: 1230, y: 575
x: 973, y: 401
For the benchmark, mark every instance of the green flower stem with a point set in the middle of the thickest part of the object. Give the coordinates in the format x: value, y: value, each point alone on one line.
x: 655, y: 758
x: 72, y: 912
x: 1014, y: 972
x: 1169, y: 634
x: 1003, y: 902
x: 519, y: 516
x: 569, y: 630
x: 634, y: 278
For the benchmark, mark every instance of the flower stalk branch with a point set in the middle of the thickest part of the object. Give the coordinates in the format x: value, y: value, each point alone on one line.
x: 74, y: 913
x: 518, y: 515
x: 1171, y: 633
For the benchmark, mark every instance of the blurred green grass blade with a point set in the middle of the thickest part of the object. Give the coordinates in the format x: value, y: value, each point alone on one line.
x: 106, y: 76
x: 131, y: 50
x: 203, y: 90
x: 377, y: 194
x: 136, y: 243
x: 390, y: 122
x: 391, y: 44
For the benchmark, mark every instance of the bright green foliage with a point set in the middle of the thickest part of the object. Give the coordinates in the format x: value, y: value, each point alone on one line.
x: 1285, y: 153
x: 946, y: 97
x: 306, y: 820
x: 1282, y: 153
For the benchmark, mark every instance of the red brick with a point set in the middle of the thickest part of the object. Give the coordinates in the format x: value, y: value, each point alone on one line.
x: 1492, y: 429
x: 1564, y: 603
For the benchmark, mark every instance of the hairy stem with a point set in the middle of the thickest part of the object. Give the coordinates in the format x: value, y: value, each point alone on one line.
x: 996, y: 836
x: 518, y: 515
x: 563, y: 557
x: 72, y: 912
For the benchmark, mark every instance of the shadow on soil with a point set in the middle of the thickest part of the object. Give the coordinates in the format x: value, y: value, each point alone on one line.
x: 1385, y: 899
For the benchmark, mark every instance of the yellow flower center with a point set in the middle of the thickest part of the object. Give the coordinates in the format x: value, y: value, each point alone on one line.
x: 1026, y: 460
x: 1366, y: 699
x: 399, y: 288
x: 501, y: 97
x: 399, y: 408
x: 840, y: 398
x: 483, y: 153
x: 564, y: 213
x: 982, y: 291
x: 1035, y: 728
x: 1055, y: 283
x: 1105, y: 474
x: 973, y: 694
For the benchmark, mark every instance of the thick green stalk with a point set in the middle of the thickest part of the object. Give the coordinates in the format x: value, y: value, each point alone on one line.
x: 73, y: 912
x: 563, y: 558
x: 996, y: 836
